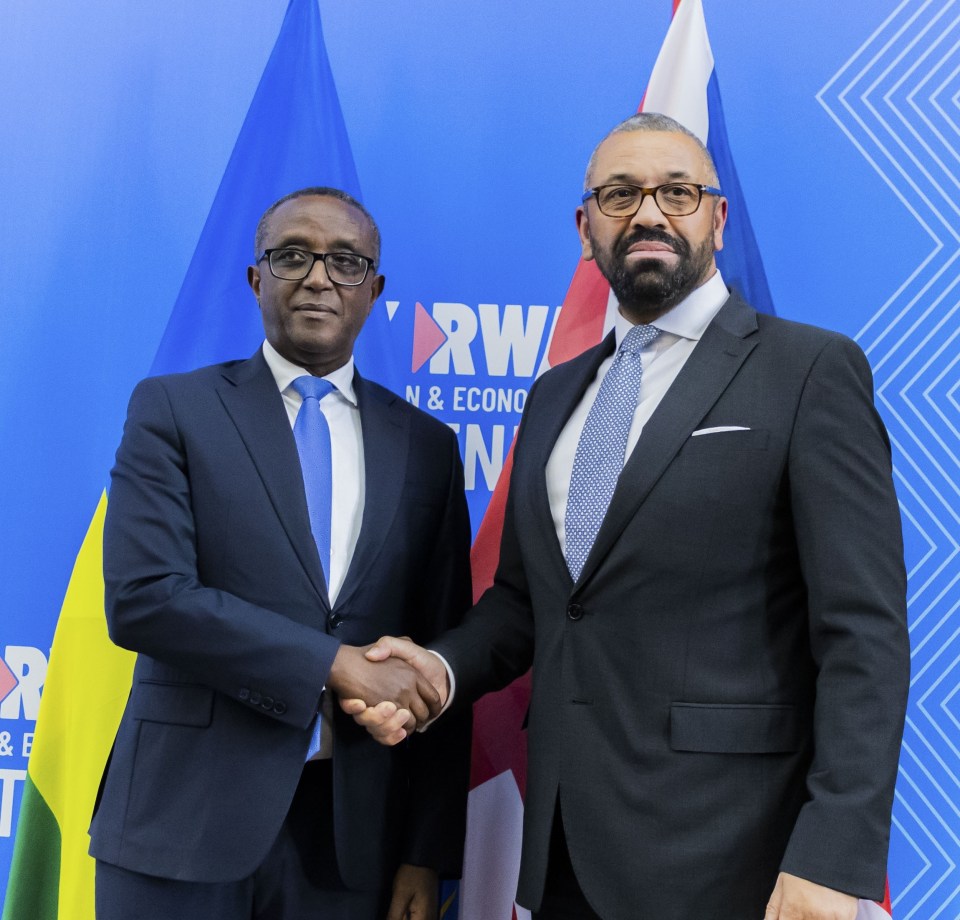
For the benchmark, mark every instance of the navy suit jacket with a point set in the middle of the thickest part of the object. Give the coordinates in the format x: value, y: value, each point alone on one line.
x: 721, y: 693
x: 213, y: 578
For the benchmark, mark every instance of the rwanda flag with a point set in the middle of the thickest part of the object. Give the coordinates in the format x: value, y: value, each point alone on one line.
x: 293, y: 136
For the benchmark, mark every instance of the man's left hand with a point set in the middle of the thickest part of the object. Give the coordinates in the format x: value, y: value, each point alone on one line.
x: 385, y: 722
x: 414, y: 894
x: 795, y: 898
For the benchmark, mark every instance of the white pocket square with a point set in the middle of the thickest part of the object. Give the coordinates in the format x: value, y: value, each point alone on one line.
x: 718, y: 430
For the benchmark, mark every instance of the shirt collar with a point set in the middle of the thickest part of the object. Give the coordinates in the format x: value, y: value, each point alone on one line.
x: 689, y: 318
x: 285, y: 372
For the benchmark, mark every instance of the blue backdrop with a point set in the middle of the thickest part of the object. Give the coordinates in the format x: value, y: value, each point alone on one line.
x: 470, y: 126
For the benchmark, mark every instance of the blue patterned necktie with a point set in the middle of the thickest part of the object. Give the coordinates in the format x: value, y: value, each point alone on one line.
x: 312, y: 435
x: 602, y: 448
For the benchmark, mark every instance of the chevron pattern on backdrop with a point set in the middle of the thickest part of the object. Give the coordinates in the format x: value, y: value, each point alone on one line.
x: 897, y: 99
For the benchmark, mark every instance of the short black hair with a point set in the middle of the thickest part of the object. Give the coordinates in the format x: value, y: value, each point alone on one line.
x: 322, y: 191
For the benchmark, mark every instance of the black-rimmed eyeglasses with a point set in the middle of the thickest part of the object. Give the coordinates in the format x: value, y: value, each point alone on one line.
x: 292, y: 264
x: 675, y: 199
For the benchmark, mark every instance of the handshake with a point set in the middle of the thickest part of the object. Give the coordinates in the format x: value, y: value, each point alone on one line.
x: 391, y: 687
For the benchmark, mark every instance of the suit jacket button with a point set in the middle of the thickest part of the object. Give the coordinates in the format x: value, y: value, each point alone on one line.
x: 267, y: 702
x: 244, y: 694
x: 574, y: 611
x: 279, y: 707
x: 335, y: 620
x: 255, y: 698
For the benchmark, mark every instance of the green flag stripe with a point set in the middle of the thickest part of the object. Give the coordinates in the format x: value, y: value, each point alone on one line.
x: 34, y: 887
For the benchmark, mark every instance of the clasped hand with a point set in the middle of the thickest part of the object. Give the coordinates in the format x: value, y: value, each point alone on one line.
x: 370, y: 679
x: 390, y: 717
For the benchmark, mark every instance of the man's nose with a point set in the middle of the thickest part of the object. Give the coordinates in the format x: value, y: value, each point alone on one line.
x: 318, y: 278
x: 649, y: 213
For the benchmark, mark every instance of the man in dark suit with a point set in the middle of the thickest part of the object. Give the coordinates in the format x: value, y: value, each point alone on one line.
x: 702, y: 561
x: 221, y: 800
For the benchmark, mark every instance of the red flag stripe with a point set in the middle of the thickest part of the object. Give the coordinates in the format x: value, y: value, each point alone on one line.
x: 580, y: 325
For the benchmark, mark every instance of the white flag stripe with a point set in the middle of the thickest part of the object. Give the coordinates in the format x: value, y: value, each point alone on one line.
x: 678, y: 83
x: 870, y: 911
x: 491, y: 862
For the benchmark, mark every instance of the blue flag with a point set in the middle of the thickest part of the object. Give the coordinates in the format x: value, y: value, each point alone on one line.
x: 739, y: 261
x: 293, y: 136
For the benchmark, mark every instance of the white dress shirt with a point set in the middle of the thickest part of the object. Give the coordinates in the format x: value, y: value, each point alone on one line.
x: 342, y: 413
x: 346, y: 454
x: 662, y: 360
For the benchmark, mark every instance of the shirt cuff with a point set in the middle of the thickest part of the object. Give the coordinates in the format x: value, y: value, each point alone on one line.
x: 452, y: 681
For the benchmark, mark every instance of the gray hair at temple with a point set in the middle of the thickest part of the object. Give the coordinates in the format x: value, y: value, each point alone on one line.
x: 653, y: 121
x: 320, y: 191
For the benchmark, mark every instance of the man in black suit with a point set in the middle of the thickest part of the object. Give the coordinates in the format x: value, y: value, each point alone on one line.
x: 235, y: 789
x: 702, y: 561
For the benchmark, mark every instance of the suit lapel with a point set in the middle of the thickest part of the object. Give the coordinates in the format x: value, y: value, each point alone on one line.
x: 249, y: 394
x: 708, y: 371
x: 386, y: 444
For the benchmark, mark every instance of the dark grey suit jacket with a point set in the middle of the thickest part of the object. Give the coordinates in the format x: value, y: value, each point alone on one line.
x: 212, y: 576
x: 721, y: 695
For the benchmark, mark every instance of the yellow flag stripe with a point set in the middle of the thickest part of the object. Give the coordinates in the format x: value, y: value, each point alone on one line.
x: 87, y: 683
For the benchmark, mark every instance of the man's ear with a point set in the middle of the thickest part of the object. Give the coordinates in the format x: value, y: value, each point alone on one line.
x: 253, y: 279
x: 376, y: 289
x: 719, y: 222
x: 583, y: 229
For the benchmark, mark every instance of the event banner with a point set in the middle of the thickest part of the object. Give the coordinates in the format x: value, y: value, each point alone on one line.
x: 143, y: 143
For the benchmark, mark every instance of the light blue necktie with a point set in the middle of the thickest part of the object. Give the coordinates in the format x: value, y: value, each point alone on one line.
x: 602, y: 447
x: 312, y: 435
